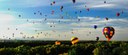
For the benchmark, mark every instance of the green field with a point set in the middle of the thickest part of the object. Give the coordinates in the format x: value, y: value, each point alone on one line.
x: 66, y: 48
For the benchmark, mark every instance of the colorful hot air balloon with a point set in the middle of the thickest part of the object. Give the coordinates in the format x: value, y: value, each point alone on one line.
x: 108, y: 32
x: 74, y: 40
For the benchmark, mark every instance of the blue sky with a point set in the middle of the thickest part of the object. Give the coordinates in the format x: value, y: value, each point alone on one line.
x: 31, y: 25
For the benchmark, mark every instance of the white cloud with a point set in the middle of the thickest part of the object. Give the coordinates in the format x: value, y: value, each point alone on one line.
x: 111, y: 4
x: 103, y: 6
x: 4, y: 16
x: 26, y: 3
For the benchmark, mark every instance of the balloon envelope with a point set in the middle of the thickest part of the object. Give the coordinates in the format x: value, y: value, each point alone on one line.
x: 74, y: 40
x: 108, y: 32
x: 95, y: 26
x: 97, y: 38
x: 73, y: 1
x: 106, y: 18
x: 57, y: 43
x: 117, y: 14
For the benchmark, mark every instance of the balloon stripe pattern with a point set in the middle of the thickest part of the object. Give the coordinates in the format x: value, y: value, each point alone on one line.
x: 108, y: 32
x: 74, y: 40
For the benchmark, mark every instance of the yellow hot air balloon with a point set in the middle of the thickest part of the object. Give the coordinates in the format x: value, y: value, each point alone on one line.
x: 74, y: 40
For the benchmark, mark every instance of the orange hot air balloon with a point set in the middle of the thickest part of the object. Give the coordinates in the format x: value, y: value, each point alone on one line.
x: 108, y: 32
x: 74, y: 40
x: 57, y: 43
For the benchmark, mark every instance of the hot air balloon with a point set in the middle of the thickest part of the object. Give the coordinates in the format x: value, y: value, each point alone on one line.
x: 75, y: 12
x: 16, y: 28
x: 72, y: 32
x: 45, y: 15
x: 74, y: 40
x: 27, y: 20
x: 80, y: 11
x: 104, y: 1
x: 41, y: 14
x: 38, y: 11
x: 53, y: 2
x: 117, y: 14
x: 45, y: 19
x: 8, y: 8
x: 95, y: 26
x: 19, y: 15
x: 52, y: 12
x: 73, y: 1
x: 85, y: 6
x: 97, y: 38
x: 34, y: 13
x: 62, y: 17
x: 50, y: 3
x: 108, y: 32
x: 122, y: 11
x: 87, y: 9
x: 8, y: 28
x: 61, y: 8
x: 78, y: 19
x: 57, y: 43
x: 106, y: 18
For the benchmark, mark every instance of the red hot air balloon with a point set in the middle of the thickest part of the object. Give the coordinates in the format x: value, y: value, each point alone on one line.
x: 117, y: 14
x: 108, y: 32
